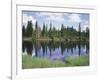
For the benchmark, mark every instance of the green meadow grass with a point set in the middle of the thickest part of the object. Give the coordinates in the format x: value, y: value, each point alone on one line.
x: 32, y: 62
x: 79, y: 61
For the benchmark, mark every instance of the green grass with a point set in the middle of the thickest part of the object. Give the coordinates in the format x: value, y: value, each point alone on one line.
x: 33, y: 62
x: 79, y: 61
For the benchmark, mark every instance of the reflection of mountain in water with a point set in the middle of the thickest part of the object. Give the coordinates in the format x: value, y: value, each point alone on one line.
x: 55, y: 50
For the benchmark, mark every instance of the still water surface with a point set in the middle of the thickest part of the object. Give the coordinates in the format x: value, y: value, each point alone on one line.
x: 55, y: 50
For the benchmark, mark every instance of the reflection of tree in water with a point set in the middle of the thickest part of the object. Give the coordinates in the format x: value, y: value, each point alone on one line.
x: 63, y: 47
x: 87, y: 48
x: 72, y: 50
x: 37, y: 47
x: 52, y: 46
x: 70, y: 46
x: 79, y: 48
x: 83, y: 45
x: 73, y: 45
x: 29, y: 47
x: 23, y: 46
x: 44, y: 47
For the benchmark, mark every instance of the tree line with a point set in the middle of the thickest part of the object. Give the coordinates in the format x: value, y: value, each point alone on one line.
x: 64, y: 33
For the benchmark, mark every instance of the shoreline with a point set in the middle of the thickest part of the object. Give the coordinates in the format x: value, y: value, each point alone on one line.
x: 54, y: 39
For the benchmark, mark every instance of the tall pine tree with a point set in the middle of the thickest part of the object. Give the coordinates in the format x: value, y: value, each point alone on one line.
x: 50, y: 30
x: 79, y: 31
x: 29, y: 29
x: 62, y: 30
x: 23, y: 31
x: 44, y: 30
x: 36, y: 29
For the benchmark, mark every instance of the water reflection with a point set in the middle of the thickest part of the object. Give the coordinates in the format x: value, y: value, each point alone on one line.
x: 55, y: 50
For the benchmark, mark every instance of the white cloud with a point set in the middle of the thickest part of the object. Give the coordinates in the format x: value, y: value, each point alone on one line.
x: 85, y: 26
x: 74, y: 18
x: 55, y: 18
x: 50, y: 14
x: 58, y: 17
x: 27, y: 18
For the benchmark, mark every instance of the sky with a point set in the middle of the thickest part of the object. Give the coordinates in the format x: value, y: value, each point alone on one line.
x: 57, y: 19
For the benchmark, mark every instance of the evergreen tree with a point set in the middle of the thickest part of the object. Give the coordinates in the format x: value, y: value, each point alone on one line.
x: 62, y: 29
x: 36, y: 25
x: 44, y: 30
x: 79, y: 31
x: 50, y: 30
x: 54, y: 31
x: 87, y: 32
x: 23, y: 31
x: 36, y: 29
x: 29, y: 29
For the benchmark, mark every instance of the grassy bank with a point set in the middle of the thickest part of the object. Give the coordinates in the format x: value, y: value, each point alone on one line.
x: 59, y: 39
x: 44, y: 39
x: 33, y: 62
x: 79, y: 61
